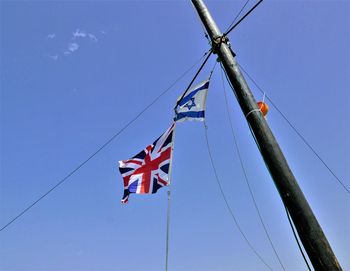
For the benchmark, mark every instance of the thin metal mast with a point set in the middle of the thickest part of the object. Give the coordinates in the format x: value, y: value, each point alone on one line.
x: 309, y: 230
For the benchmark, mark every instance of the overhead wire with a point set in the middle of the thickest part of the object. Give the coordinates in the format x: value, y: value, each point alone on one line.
x: 64, y: 179
x: 245, y: 174
x: 297, y: 132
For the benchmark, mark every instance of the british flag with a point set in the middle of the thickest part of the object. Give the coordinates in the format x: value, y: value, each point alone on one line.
x: 148, y: 170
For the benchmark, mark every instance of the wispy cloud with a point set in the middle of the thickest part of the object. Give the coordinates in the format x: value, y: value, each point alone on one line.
x: 73, y: 47
x: 79, y: 34
x: 53, y: 57
x: 51, y: 36
x: 83, y: 34
x: 92, y: 37
x: 78, y: 38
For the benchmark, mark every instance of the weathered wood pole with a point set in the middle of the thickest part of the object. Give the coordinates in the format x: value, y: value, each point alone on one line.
x: 309, y: 230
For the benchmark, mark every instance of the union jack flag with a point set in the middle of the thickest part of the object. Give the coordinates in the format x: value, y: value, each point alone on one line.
x: 148, y: 170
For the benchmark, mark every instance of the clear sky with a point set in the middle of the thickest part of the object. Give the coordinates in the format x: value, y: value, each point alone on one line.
x: 72, y: 73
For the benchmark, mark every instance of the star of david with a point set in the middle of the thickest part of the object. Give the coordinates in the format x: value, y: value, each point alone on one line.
x: 190, y: 104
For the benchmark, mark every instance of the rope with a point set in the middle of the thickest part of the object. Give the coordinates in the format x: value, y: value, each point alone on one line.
x: 102, y: 146
x: 226, y: 202
x: 212, y: 70
x: 296, y: 238
x: 283, y: 204
x: 240, y: 20
x: 298, y: 133
x: 251, y: 111
x: 267, y: 168
x: 245, y: 173
x: 239, y: 13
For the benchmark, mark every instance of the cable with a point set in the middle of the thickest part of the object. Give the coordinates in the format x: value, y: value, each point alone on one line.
x: 102, y: 146
x: 194, y: 78
x: 201, y: 23
x: 245, y: 173
x: 226, y: 202
x: 297, y: 132
x: 296, y: 238
x: 239, y: 13
x: 240, y: 20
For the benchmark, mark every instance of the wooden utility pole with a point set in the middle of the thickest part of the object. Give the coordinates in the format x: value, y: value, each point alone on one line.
x: 309, y: 230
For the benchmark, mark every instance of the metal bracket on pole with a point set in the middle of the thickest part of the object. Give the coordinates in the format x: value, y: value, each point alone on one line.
x: 218, y: 40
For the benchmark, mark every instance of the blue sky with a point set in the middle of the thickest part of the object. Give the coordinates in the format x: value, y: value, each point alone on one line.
x: 72, y: 73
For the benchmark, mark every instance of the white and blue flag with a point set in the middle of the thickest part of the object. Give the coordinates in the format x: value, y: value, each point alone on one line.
x: 191, y: 105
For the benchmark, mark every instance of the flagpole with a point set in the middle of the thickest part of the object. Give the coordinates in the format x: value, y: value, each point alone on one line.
x: 167, y: 232
x: 169, y: 198
x: 308, y: 228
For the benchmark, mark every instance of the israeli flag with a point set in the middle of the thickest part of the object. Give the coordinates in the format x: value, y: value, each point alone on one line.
x: 191, y: 105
